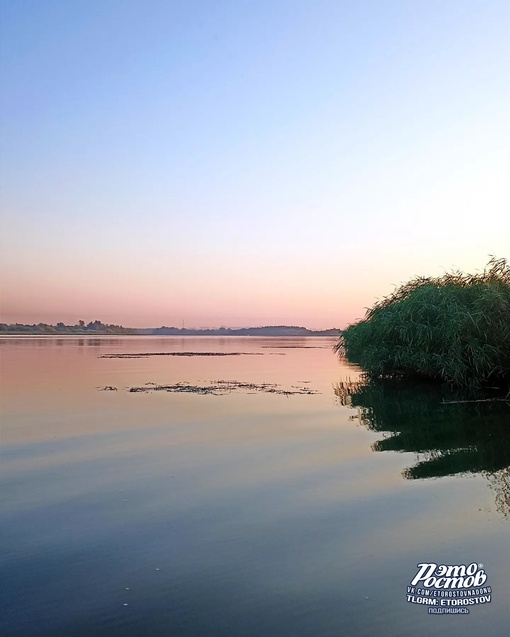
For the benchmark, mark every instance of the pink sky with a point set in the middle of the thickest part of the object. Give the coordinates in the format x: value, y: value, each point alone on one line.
x: 271, y: 164
x: 311, y: 297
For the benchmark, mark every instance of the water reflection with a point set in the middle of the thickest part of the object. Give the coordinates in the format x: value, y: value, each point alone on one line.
x: 30, y: 341
x: 450, y: 437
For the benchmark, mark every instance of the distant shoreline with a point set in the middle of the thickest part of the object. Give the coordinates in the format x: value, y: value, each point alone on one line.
x: 99, y: 329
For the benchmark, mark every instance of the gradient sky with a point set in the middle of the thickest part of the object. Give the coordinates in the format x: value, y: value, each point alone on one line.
x: 245, y: 162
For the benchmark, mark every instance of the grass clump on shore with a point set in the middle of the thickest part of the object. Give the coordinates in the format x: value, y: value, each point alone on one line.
x: 454, y: 328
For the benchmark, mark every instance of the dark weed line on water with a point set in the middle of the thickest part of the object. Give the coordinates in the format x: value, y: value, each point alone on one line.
x: 147, y: 354
x: 293, y: 347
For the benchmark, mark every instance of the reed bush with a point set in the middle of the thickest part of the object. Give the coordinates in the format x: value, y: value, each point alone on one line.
x: 453, y: 328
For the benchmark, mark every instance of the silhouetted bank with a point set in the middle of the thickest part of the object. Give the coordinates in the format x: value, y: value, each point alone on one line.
x: 95, y: 328
x: 268, y: 330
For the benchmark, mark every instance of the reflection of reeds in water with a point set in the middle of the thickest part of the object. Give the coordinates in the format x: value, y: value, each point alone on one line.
x: 345, y: 389
x: 450, y: 438
x: 500, y: 484
x: 453, y: 328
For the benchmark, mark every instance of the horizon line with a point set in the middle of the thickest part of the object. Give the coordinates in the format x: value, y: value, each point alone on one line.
x: 174, y: 327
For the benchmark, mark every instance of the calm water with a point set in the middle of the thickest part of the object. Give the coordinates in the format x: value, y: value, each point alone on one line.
x: 240, y: 512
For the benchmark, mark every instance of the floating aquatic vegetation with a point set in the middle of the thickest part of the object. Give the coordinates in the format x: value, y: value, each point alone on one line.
x: 222, y: 387
x: 147, y: 354
x: 293, y: 347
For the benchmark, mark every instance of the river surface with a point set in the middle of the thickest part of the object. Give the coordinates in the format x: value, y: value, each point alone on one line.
x: 262, y: 493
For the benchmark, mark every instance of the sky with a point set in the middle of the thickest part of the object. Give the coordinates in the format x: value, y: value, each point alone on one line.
x: 244, y: 163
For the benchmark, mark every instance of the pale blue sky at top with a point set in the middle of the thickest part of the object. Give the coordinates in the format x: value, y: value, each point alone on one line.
x: 246, y: 162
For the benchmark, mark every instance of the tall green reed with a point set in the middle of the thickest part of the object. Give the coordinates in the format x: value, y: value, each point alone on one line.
x: 453, y: 328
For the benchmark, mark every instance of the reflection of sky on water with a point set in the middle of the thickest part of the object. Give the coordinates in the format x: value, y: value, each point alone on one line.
x: 266, y: 515
x: 59, y: 379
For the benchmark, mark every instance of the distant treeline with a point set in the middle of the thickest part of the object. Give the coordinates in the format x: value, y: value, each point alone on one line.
x: 267, y: 330
x: 95, y: 328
